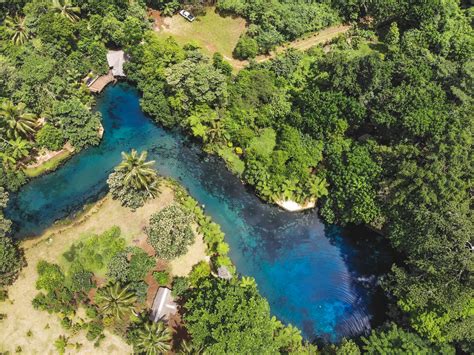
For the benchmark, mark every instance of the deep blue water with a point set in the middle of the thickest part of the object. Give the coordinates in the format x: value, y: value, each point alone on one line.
x: 317, y: 277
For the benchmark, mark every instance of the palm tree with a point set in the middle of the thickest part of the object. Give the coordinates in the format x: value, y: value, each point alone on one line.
x: 318, y: 187
x: 153, y: 339
x: 115, y: 300
x: 17, y: 122
x: 138, y: 172
x: 65, y: 8
x: 19, y: 148
x: 16, y: 26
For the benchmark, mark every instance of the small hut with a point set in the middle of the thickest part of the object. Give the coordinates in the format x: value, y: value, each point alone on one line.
x: 163, y: 305
x: 116, y: 60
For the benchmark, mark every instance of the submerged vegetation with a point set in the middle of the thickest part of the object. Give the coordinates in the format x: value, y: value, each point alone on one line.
x: 376, y: 126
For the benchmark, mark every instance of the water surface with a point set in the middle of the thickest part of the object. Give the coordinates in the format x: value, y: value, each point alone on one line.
x: 317, y: 277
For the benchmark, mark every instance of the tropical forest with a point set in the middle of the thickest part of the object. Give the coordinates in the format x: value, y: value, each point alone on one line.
x: 236, y: 177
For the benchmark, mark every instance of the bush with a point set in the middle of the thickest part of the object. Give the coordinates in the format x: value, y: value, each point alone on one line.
x: 180, y: 285
x: 170, y: 232
x: 161, y: 277
x: 246, y: 48
x: 50, y: 137
x: 200, y: 271
x: 140, y: 264
x: 140, y: 289
x: 50, y: 277
x: 82, y: 281
x: 118, y: 267
x: 94, y: 330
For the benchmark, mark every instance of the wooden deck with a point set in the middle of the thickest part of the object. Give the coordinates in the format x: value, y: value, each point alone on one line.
x: 100, y: 83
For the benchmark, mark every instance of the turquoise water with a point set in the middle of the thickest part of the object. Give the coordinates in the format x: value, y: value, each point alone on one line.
x: 317, y: 277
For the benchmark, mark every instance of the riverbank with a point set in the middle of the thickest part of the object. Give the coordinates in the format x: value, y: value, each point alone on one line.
x: 35, y: 331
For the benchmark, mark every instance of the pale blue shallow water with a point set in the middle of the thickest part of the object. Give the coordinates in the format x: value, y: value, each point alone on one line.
x: 317, y: 277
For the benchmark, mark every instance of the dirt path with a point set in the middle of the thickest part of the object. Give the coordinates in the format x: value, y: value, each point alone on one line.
x: 304, y: 44
x: 300, y: 44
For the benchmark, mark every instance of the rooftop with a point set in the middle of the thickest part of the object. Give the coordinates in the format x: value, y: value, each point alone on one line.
x: 116, y: 60
x: 163, y: 305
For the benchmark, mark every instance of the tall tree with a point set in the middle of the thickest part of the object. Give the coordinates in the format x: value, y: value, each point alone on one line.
x: 153, y: 339
x: 16, y: 121
x: 17, y: 28
x: 138, y: 172
x: 115, y: 300
x: 66, y: 9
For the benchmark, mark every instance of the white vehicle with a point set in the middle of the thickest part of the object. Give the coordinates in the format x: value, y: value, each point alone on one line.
x: 187, y: 15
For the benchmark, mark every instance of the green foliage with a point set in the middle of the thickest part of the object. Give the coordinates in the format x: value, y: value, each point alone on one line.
x: 152, y: 338
x: 195, y: 82
x: 397, y: 341
x: 115, y: 301
x: 246, y: 48
x: 140, y: 264
x: 50, y: 137
x: 180, y: 286
x: 118, y: 267
x: 81, y: 281
x: 50, y: 276
x: 95, y: 251
x: 170, y: 232
x: 134, y: 180
x: 11, y: 258
x: 276, y: 21
x: 162, y: 277
x: 79, y: 125
x: 199, y: 272
x: 224, y: 317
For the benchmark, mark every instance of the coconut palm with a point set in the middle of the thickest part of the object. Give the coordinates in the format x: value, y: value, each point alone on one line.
x: 188, y: 347
x: 16, y: 26
x: 115, y: 300
x: 138, y: 172
x: 153, y: 338
x: 16, y: 121
x: 66, y: 9
x: 318, y: 187
x: 19, y: 148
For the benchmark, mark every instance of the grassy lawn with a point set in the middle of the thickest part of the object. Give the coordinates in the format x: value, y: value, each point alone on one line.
x: 212, y: 32
x: 50, y: 165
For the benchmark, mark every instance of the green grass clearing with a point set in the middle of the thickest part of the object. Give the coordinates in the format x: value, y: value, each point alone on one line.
x: 212, y: 32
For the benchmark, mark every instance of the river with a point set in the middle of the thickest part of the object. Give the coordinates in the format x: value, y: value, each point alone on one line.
x: 319, y: 278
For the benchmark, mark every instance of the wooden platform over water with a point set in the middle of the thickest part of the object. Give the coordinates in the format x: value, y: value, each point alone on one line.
x: 100, y: 83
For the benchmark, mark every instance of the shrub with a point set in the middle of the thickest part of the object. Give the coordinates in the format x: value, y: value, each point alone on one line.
x: 118, y: 267
x: 180, y: 285
x: 140, y: 264
x: 140, y: 289
x: 200, y: 271
x: 246, y: 48
x: 50, y: 137
x: 81, y: 280
x: 161, y: 277
x: 170, y: 232
x: 50, y: 276
x: 94, y: 330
